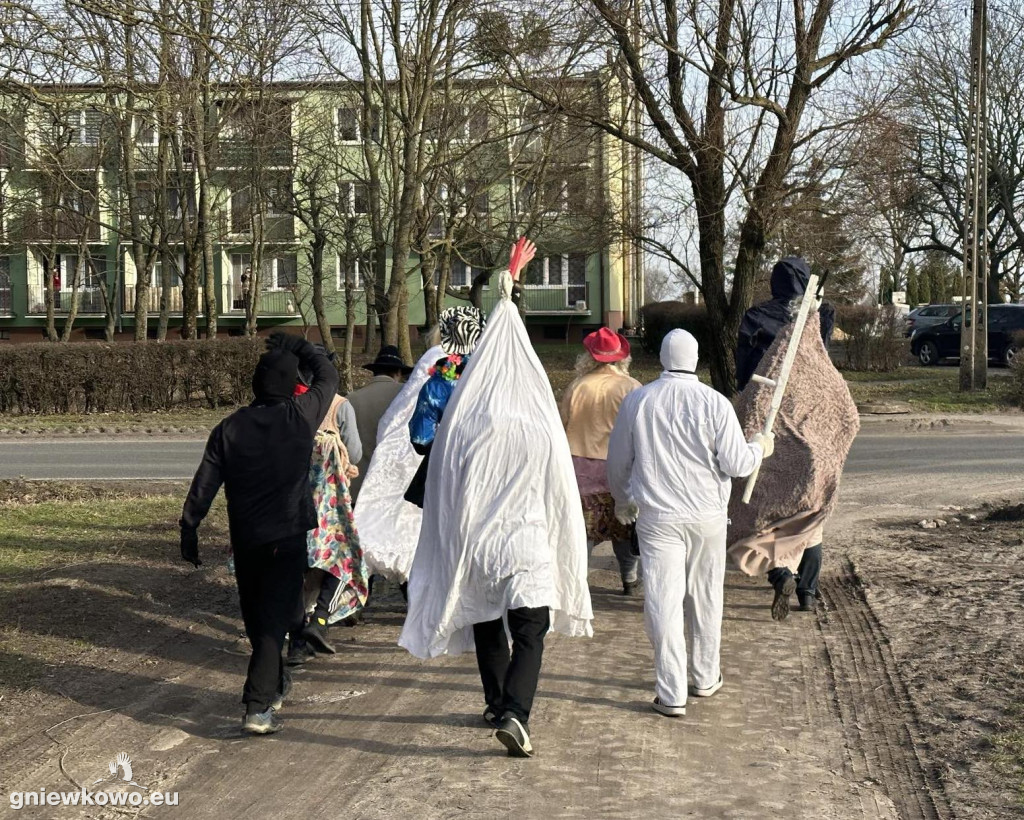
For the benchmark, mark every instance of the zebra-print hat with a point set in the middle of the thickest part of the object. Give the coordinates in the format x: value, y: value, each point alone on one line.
x: 460, y: 329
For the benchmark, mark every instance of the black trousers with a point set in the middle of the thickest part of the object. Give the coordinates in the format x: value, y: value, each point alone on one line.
x: 807, y: 574
x: 510, y: 679
x: 269, y: 581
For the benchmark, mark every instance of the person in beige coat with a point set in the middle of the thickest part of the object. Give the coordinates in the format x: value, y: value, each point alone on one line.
x: 589, y: 407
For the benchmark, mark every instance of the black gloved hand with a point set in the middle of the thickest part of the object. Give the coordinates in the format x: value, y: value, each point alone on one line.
x: 190, y: 546
x: 291, y: 342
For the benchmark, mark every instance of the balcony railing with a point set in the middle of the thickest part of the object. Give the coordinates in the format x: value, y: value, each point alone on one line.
x: 175, y: 303
x: 243, y: 154
x: 540, y: 300
x: 90, y: 300
x: 272, y: 302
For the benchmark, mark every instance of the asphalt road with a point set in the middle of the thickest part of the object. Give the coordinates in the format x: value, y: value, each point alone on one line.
x: 923, y: 456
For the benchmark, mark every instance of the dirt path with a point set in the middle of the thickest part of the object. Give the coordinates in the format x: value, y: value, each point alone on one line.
x: 815, y: 720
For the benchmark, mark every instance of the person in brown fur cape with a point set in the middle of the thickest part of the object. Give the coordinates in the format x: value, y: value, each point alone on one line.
x: 780, y: 531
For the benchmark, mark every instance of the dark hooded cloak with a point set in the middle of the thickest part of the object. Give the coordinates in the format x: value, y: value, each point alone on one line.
x: 762, y: 323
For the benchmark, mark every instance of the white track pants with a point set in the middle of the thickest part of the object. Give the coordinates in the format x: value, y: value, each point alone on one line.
x: 684, y: 579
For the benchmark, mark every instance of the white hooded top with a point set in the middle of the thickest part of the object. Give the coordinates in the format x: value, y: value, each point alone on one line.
x: 502, y: 521
x: 677, y: 443
x: 388, y: 525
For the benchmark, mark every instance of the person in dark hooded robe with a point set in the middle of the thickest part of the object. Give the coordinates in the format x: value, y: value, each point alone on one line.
x: 261, y: 455
x: 762, y: 323
x: 758, y: 330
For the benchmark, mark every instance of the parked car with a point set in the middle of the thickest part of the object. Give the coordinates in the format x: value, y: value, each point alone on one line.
x: 1005, y: 323
x: 929, y: 315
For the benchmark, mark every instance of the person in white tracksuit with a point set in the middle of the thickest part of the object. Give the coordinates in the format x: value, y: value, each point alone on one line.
x: 674, y: 449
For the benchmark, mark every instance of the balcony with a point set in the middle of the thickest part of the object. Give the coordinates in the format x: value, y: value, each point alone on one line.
x: 175, y: 303
x: 90, y: 301
x: 243, y: 155
x: 65, y: 227
x: 275, y: 228
x: 272, y: 302
x: 547, y: 300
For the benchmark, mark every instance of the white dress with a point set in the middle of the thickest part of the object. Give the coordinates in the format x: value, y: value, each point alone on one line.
x: 388, y: 525
x: 502, y: 522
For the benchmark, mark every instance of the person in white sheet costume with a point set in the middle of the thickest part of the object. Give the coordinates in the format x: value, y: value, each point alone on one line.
x: 503, y: 533
x: 674, y: 449
x: 388, y: 525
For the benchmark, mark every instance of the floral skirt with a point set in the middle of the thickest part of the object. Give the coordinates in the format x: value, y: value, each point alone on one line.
x: 333, y: 546
x: 598, y: 504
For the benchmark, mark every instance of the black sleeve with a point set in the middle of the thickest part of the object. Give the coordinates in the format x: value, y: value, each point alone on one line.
x: 206, y: 483
x: 315, y: 402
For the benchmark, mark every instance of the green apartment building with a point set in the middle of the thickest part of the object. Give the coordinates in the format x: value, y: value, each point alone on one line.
x: 280, y: 167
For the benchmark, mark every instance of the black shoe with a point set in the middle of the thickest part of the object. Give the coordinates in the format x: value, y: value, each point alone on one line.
x: 513, y: 736
x: 780, y: 606
x: 299, y: 653
x: 261, y: 723
x: 315, y: 634
x: 631, y: 588
x: 808, y: 603
x: 491, y: 717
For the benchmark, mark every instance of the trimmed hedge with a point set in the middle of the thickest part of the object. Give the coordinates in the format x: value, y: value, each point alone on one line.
x: 661, y: 317
x: 131, y: 377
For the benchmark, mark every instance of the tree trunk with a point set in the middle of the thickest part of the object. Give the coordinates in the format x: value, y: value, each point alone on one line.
x: 165, y: 297
x: 190, y: 295
x: 48, y: 262
x: 316, y: 264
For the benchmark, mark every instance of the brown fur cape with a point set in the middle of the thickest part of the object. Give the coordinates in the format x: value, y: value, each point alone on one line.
x: 796, y: 490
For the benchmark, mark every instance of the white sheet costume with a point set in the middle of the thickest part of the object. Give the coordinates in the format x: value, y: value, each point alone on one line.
x: 388, y: 525
x: 502, y: 521
x: 674, y: 449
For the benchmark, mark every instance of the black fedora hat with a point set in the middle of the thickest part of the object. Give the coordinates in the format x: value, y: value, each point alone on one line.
x: 388, y: 359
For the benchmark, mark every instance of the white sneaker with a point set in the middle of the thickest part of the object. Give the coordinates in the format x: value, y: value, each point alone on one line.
x: 706, y: 693
x: 668, y: 711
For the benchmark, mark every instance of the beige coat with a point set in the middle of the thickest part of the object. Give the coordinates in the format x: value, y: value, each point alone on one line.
x: 589, y: 407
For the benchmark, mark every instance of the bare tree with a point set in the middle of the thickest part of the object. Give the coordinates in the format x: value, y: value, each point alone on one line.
x: 726, y: 89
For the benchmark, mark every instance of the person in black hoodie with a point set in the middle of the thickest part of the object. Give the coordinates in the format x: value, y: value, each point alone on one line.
x: 760, y: 325
x: 261, y: 455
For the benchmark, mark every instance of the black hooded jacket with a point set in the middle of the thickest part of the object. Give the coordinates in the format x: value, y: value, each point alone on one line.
x: 762, y: 323
x: 261, y: 455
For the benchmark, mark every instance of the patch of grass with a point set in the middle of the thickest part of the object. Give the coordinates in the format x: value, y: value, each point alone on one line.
x: 159, y: 422
x: 1007, y: 753
x: 931, y: 389
x: 42, y: 534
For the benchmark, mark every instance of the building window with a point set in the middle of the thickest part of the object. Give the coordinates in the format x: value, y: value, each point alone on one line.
x: 146, y: 133
x: 351, y: 270
x: 5, y: 334
x: 278, y: 272
x: 81, y: 127
x: 547, y: 271
x: 461, y: 275
x: 353, y: 129
x: 353, y: 198
x: 5, y: 285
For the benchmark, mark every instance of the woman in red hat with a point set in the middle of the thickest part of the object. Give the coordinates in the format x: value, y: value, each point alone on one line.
x: 589, y: 407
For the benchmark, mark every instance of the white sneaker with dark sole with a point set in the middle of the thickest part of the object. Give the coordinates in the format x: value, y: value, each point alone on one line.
x: 706, y: 693
x: 514, y: 737
x: 668, y: 711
